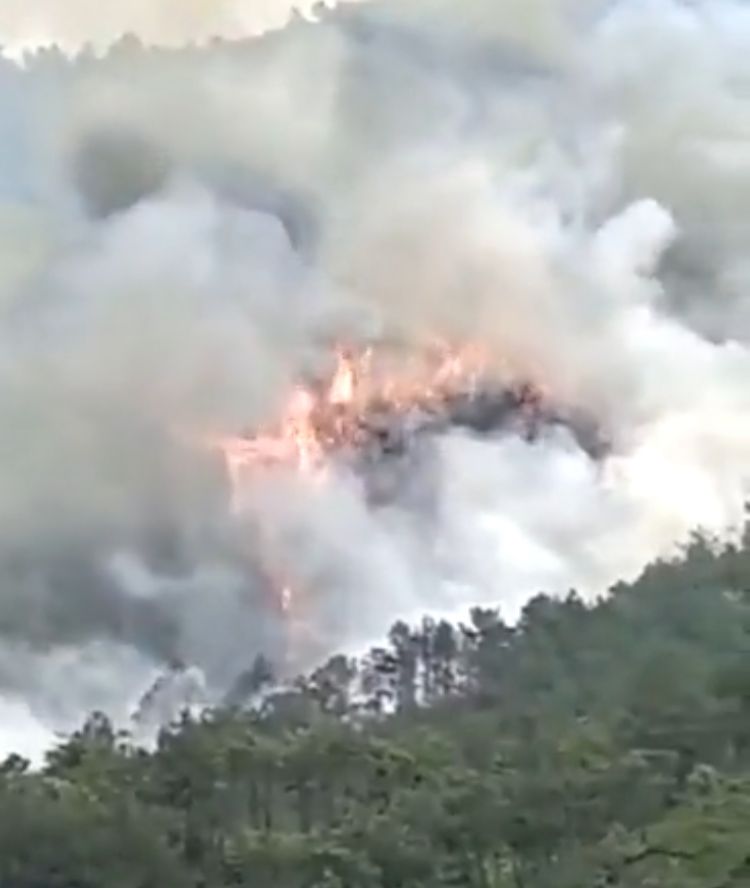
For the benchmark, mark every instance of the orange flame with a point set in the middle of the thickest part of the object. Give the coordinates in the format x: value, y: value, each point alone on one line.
x: 314, y: 425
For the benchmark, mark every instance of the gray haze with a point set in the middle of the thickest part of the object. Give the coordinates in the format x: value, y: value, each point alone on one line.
x: 184, y: 231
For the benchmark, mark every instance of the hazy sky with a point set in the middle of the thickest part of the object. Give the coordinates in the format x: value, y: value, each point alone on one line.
x: 72, y: 23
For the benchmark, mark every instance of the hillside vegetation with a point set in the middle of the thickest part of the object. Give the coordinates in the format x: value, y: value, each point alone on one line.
x: 586, y: 746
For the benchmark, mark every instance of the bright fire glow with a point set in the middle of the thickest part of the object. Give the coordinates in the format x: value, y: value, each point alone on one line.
x: 316, y: 422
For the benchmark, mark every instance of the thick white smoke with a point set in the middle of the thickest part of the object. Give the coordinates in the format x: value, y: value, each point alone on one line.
x: 184, y: 231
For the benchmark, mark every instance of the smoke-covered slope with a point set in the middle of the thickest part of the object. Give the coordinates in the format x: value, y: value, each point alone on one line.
x: 186, y: 232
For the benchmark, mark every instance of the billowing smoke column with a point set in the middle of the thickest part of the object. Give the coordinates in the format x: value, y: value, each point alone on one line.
x: 189, y: 235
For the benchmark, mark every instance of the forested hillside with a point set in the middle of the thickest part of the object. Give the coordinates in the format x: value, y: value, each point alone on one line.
x: 604, y: 745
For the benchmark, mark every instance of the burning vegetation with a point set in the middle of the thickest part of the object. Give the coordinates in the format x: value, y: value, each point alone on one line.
x: 367, y: 395
x: 376, y: 403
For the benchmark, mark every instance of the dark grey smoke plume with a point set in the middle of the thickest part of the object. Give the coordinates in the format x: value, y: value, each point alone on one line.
x: 115, y: 170
x: 184, y: 232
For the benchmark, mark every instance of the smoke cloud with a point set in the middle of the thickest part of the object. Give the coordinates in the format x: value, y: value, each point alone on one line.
x: 185, y: 231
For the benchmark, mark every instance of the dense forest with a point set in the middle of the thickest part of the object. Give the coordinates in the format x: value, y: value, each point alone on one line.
x: 587, y: 745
